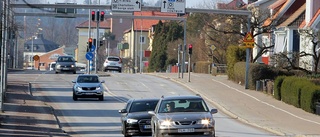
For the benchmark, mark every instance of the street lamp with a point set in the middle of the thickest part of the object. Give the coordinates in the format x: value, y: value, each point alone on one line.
x: 32, y: 62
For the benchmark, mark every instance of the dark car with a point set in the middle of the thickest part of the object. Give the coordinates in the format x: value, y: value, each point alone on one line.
x: 186, y: 115
x: 65, y: 64
x: 135, y: 118
x: 88, y: 86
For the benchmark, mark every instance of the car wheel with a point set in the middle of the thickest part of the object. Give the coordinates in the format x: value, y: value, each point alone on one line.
x: 101, y: 98
x: 120, y: 71
x: 56, y: 72
x: 74, y: 72
x: 74, y: 97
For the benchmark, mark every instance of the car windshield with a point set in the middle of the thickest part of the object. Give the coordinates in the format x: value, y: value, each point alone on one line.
x: 66, y: 59
x: 113, y: 59
x: 88, y: 79
x: 183, y: 105
x: 142, y: 106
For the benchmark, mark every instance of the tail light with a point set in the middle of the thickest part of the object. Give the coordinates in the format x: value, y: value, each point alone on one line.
x: 106, y: 61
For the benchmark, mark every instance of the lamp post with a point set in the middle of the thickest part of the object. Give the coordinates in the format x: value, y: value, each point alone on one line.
x: 32, y: 62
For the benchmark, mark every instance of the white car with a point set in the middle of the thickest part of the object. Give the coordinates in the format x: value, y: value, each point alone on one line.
x: 88, y: 86
x: 113, y: 63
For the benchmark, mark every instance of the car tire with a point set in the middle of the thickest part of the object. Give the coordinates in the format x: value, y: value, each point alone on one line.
x: 74, y: 72
x: 56, y: 72
x: 119, y: 71
x: 74, y: 97
x: 101, y: 98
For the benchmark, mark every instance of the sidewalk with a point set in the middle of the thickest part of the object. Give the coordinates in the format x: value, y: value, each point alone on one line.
x: 24, y: 115
x: 250, y: 106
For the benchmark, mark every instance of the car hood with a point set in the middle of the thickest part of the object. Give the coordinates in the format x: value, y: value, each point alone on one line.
x: 88, y: 84
x: 185, y: 116
x: 139, y: 115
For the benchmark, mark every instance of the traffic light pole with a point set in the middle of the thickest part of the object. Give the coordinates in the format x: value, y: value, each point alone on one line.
x: 189, y: 64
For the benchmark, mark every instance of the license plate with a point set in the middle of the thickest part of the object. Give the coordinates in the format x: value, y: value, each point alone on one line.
x: 89, y: 93
x: 65, y: 68
x: 113, y: 64
x: 147, y: 126
x: 184, y: 130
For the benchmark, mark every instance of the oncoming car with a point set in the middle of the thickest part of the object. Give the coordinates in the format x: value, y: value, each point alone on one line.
x: 88, y: 86
x: 186, y: 115
x: 65, y: 64
x: 135, y: 119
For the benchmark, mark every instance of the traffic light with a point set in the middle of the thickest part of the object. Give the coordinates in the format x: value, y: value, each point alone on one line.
x: 90, y: 43
x: 98, y: 15
x: 190, y: 49
x: 94, y: 42
x: 93, y: 15
x: 102, y: 16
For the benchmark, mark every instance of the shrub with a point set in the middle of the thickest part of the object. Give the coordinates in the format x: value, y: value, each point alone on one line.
x: 277, y: 87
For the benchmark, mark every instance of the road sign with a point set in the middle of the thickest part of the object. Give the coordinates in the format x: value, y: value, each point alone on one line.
x: 126, y: 5
x: 93, y: 48
x: 89, y: 56
x: 248, y: 38
x: 213, y: 47
x: 173, y: 6
x: 36, y: 57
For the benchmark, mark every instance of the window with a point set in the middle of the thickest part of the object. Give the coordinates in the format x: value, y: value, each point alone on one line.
x: 142, y: 40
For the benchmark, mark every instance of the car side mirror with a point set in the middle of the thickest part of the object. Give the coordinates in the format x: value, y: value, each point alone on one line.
x: 152, y: 113
x: 213, y: 111
x: 102, y: 81
x: 122, y: 111
x: 73, y: 81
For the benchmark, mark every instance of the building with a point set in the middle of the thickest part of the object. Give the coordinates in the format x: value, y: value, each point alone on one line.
x: 37, y: 46
x: 139, y: 40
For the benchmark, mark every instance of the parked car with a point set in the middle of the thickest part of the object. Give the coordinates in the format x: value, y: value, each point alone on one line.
x: 113, y: 63
x: 135, y: 119
x: 182, y: 115
x: 65, y: 64
x: 52, y: 66
x: 88, y: 86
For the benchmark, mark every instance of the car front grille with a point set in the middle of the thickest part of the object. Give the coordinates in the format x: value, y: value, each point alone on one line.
x: 185, y: 122
x: 88, y: 88
x: 142, y: 124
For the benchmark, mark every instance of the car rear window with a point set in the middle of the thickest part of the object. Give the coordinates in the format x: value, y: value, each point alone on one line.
x: 113, y: 59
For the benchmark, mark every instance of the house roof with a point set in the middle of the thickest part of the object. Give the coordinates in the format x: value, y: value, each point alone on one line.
x: 315, y: 17
x: 144, y: 24
x: 296, y: 18
x: 41, y: 44
x: 234, y: 4
x: 103, y: 24
x: 284, y: 10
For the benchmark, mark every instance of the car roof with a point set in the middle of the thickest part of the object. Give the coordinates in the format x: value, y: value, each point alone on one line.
x: 88, y: 75
x: 66, y: 56
x: 181, y: 97
x: 145, y: 99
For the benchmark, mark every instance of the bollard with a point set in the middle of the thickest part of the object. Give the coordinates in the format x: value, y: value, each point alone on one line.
x: 30, y: 88
x: 318, y: 108
x: 258, y: 85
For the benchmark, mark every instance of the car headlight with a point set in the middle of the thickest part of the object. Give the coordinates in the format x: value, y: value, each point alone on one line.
x: 98, y: 88
x: 79, y: 88
x: 165, y: 123
x: 58, y: 65
x: 204, y: 121
x: 72, y: 66
x: 132, y: 120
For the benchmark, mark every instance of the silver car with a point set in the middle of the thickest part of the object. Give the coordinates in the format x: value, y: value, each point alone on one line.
x: 182, y: 115
x: 88, y: 86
